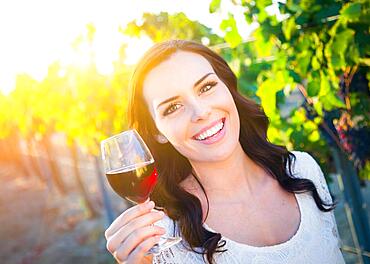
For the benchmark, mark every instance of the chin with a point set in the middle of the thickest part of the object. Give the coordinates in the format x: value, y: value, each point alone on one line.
x: 220, y: 154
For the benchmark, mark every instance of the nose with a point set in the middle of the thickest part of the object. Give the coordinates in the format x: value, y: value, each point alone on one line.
x: 201, y: 111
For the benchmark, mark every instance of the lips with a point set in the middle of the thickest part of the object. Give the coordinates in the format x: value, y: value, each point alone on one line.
x: 210, y: 129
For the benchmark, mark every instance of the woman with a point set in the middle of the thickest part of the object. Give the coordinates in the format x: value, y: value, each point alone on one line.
x: 232, y: 195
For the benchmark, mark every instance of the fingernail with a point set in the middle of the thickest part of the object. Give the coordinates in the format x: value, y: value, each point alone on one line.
x: 161, y: 213
x: 150, y: 205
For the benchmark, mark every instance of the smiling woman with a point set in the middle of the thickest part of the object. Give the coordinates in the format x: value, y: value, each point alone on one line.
x: 191, y: 107
x: 224, y: 187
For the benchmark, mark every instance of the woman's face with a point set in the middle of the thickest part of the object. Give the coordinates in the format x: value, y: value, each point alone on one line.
x: 192, y: 107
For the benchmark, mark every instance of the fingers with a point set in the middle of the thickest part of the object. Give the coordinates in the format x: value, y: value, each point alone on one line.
x: 141, y: 249
x: 132, y: 234
x: 117, y: 258
x: 134, y: 228
x: 139, y: 242
x: 127, y: 216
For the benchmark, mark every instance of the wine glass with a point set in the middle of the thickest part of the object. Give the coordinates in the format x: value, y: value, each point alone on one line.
x: 131, y: 172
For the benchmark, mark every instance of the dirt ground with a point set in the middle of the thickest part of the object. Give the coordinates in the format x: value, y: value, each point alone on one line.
x: 39, y: 226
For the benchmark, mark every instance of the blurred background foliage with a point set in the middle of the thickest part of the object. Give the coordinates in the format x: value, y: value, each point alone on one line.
x: 321, y: 49
x: 308, y: 69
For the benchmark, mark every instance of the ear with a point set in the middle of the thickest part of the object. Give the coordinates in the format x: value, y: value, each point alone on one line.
x: 161, y: 139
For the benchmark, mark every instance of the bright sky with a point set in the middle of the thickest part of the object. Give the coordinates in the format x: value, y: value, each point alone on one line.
x: 35, y: 33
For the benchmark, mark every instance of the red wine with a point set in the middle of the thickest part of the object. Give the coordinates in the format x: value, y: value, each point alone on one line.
x: 135, y: 184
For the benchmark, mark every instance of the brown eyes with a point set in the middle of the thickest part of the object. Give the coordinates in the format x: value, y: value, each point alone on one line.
x: 207, y: 86
x: 174, y: 106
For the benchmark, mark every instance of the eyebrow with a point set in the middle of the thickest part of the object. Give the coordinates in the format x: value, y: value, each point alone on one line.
x: 176, y: 97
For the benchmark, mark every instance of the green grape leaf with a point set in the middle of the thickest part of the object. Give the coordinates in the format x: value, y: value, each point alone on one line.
x: 351, y: 11
x: 232, y: 35
x: 331, y: 101
x: 324, y: 85
x: 214, y: 6
x: 318, y: 107
x: 295, y: 76
x: 267, y: 93
x: 315, y: 63
x: 304, y: 59
x: 365, y: 61
x: 314, y: 136
x: 289, y: 27
x: 313, y: 87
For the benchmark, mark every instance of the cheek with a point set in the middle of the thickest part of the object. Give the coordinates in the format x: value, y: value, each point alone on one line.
x: 223, y: 95
x: 173, y: 129
x: 227, y: 103
x: 177, y: 137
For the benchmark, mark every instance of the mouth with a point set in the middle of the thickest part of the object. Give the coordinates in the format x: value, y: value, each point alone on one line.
x: 211, y: 132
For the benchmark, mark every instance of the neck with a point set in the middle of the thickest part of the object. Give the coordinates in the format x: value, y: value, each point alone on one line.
x: 236, y: 177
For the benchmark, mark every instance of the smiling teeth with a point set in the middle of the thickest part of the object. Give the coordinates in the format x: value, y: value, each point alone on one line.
x: 211, y: 131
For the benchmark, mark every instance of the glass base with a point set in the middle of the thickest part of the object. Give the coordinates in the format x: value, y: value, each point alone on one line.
x: 164, y: 243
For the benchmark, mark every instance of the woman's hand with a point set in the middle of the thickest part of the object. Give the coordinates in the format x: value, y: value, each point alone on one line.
x: 132, y: 234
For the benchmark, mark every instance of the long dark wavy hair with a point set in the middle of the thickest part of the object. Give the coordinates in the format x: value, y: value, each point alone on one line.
x: 180, y: 205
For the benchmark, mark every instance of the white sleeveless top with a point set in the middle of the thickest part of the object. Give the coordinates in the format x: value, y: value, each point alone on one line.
x: 315, y: 241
